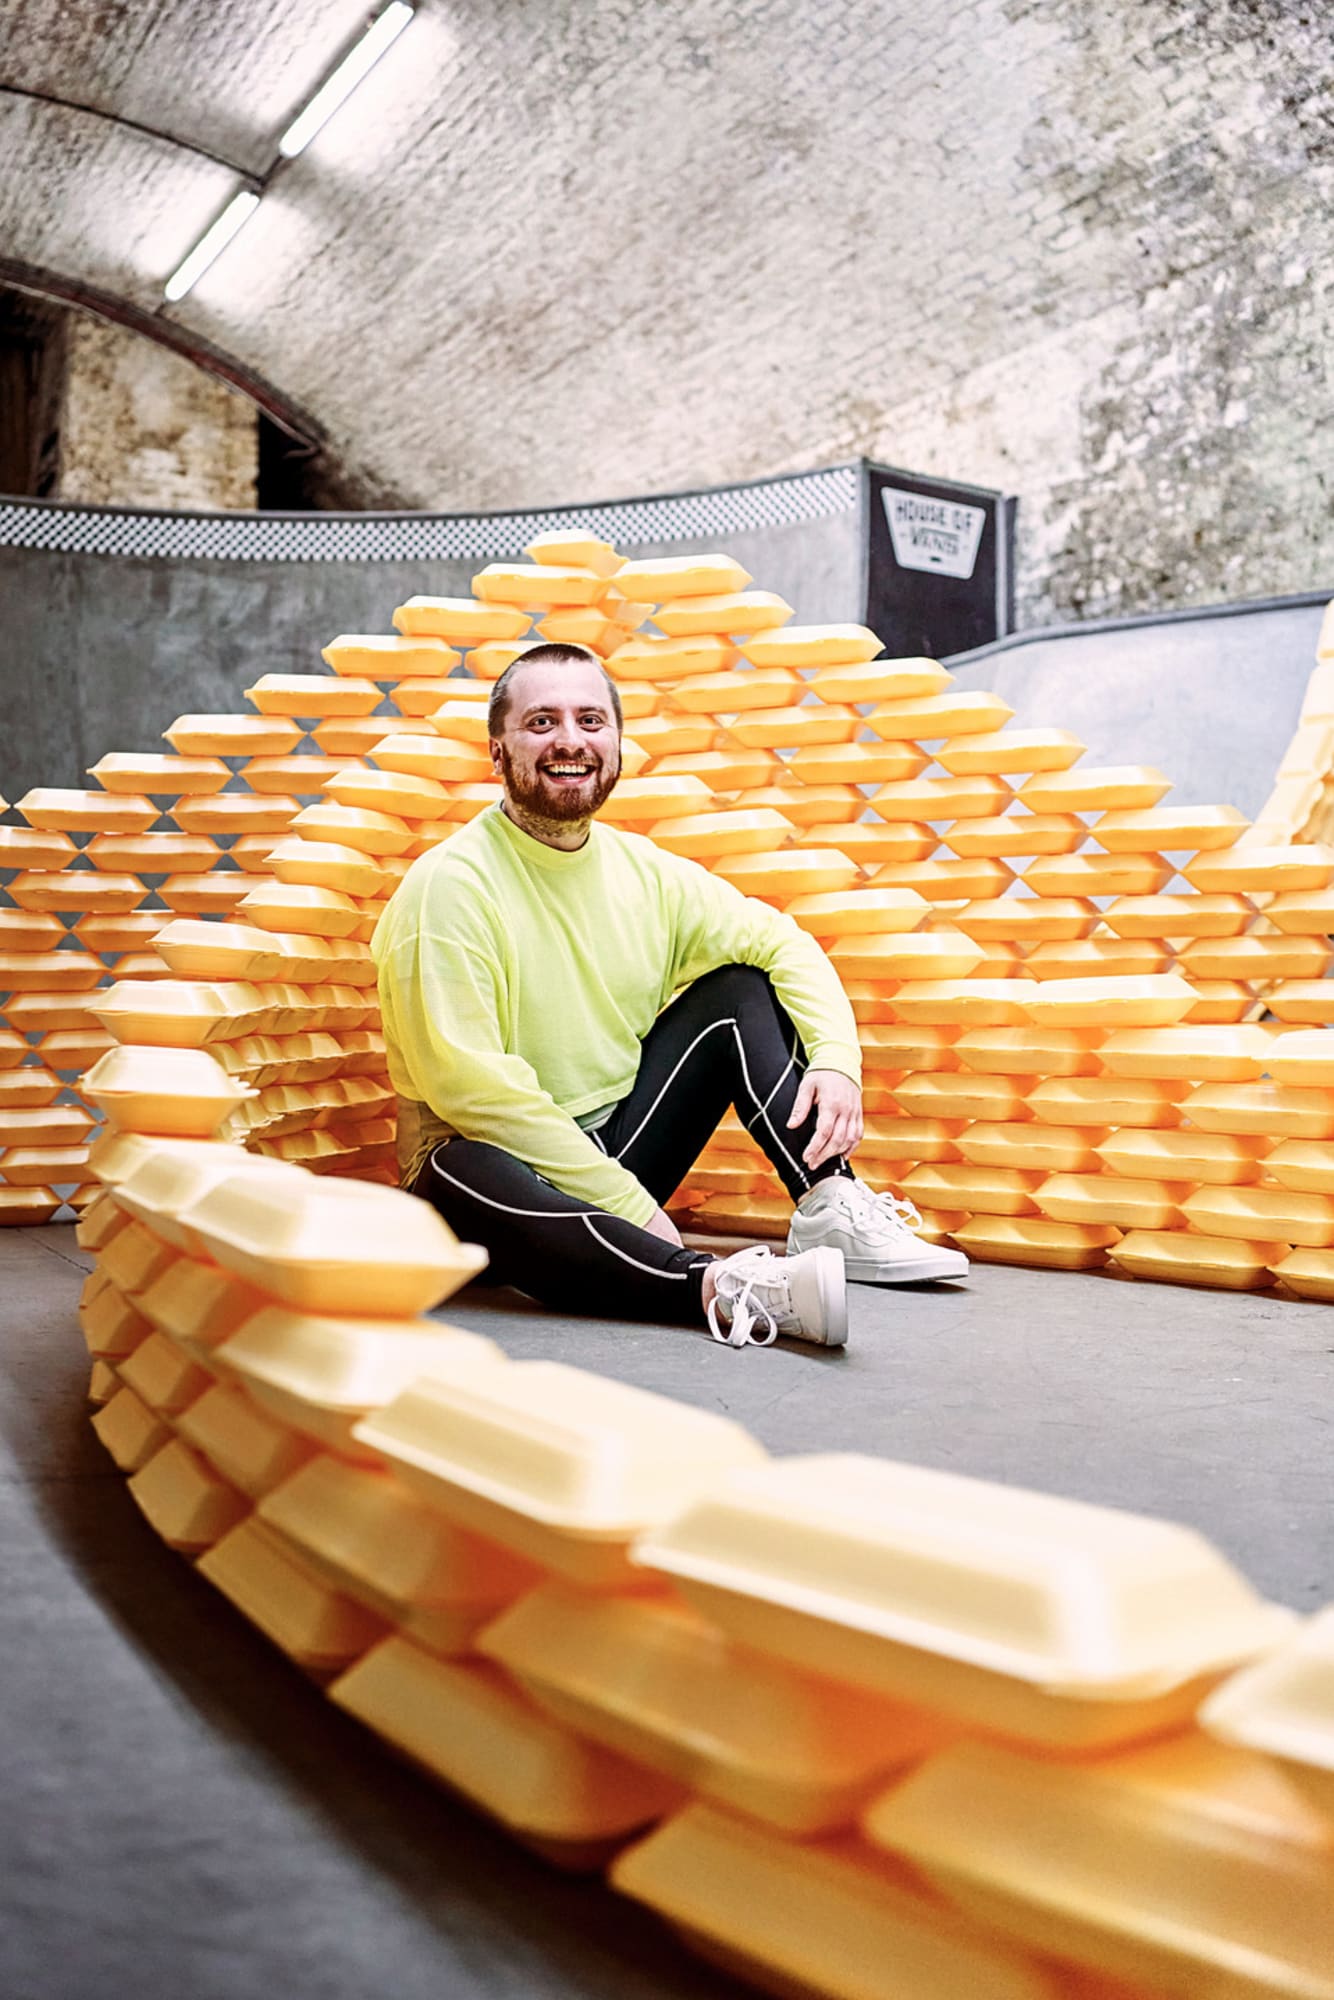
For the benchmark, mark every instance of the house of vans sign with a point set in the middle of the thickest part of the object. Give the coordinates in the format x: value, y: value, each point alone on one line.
x: 938, y: 563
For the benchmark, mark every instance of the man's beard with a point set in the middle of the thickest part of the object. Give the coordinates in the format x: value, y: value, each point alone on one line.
x: 541, y: 799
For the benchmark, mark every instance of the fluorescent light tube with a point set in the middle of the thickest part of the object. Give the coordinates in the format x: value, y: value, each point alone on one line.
x: 211, y: 244
x: 386, y: 28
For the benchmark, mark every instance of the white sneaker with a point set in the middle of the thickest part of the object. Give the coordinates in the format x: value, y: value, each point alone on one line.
x: 874, y: 1232
x: 805, y: 1295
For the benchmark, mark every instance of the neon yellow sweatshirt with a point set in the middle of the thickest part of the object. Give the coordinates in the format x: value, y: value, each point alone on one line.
x: 517, y: 982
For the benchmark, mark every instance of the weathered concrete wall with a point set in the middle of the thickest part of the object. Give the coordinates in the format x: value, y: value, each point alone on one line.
x: 143, y: 428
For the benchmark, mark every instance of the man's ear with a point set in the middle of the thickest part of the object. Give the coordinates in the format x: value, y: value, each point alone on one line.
x: 494, y: 747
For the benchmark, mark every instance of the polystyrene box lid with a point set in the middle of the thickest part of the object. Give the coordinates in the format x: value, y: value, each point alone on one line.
x: 566, y: 1448
x: 1153, y: 1000
x: 1079, y: 1600
x: 338, y: 1239
x: 164, y: 1181
x: 127, y: 1071
x: 352, y: 1364
x: 1284, y: 1705
x: 828, y: 1918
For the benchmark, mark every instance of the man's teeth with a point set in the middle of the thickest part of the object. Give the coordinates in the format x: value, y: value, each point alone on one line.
x: 569, y: 770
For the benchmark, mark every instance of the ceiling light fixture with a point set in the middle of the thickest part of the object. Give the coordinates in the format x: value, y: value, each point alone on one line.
x: 211, y: 244
x: 384, y: 30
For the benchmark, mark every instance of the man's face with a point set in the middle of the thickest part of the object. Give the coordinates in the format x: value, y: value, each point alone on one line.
x: 560, y: 753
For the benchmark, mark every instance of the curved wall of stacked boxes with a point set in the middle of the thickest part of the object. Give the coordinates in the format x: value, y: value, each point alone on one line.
x: 850, y: 1705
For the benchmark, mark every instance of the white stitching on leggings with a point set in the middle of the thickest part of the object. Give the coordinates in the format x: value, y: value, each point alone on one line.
x: 583, y: 1215
x: 763, y: 1112
x: 653, y: 1269
x: 723, y: 1021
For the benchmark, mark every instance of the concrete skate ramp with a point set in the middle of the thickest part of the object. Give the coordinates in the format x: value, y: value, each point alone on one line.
x: 1210, y: 698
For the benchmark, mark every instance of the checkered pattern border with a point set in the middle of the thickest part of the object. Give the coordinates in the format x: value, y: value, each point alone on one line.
x: 768, y: 503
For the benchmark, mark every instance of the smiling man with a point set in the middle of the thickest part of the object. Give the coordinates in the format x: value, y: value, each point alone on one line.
x: 569, y: 1010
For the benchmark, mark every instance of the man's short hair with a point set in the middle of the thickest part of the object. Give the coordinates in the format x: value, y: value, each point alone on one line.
x: 552, y: 653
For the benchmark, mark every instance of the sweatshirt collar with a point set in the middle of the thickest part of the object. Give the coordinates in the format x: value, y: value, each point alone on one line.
x: 536, y: 853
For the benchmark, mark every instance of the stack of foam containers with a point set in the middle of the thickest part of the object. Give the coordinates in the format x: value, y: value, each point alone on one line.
x: 856, y: 1729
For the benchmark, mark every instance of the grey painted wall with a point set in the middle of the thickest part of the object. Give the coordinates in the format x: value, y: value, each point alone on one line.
x: 102, y: 653
x: 1210, y: 700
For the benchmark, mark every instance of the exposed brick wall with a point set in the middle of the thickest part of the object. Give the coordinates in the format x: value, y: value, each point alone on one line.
x: 143, y: 428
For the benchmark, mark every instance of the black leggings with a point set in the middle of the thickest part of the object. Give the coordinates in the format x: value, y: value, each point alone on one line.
x: 726, y: 1040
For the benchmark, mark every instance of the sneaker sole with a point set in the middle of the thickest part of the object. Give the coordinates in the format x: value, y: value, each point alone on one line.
x: 831, y: 1282
x: 922, y: 1271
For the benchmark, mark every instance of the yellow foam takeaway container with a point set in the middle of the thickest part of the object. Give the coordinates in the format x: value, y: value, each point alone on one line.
x: 1302, y: 1057
x: 791, y: 872
x: 584, y: 625
x: 974, y: 1190
x: 457, y: 619
x: 897, y: 1139
x: 323, y: 864
x: 817, y: 646
x: 377, y: 833
x: 810, y: 805
x: 488, y: 661
x: 1259, y: 1214
x: 740, y: 612
x: 949, y: 881
x: 49, y: 971
x: 1259, y: 955
x: 561, y: 1466
x: 130, y: 1432
x: 1032, y: 1147
x: 76, y: 889
x: 1094, y: 788
x: 649, y: 1678
x: 1308, y: 1002
x: 163, y: 776
x: 51, y: 809
x: 859, y: 910
x: 313, y: 696
x: 162, y: 1374
x: 398, y: 1557
x: 857, y: 763
x: 1029, y: 1051
x: 1303, y: 1164
x: 31, y: 1085
x: 1037, y: 1241
x: 660, y: 579
x: 1169, y: 829
x: 233, y: 735
x: 1154, y: 1001
x: 321, y: 1373
x: 252, y: 1451
x: 290, y: 1602
x: 1148, y: 1883
x: 734, y: 693
x: 1218, y: 1159
x: 55, y: 1125
x: 395, y: 792
x: 653, y: 659
x: 1002, y: 752
x: 1107, y: 1100
x: 933, y: 800
x: 1123, y: 875
x: 1046, y: 1619
x: 644, y: 801
x: 181, y: 1092
x: 977, y: 1003
x: 1173, y: 1257
x: 1300, y: 912
x: 34, y: 847
x: 1283, y: 1708
x: 1176, y: 916
x: 327, y: 1246
x: 1202, y: 1054
x: 1101, y: 1199
x: 574, y: 545
x: 154, y: 853
x: 929, y: 718
x: 674, y: 735
x: 1036, y: 917
x: 389, y: 657
x: 821, y: 1920
x: 471, y: 1729
x: 733, y: 769
x: 931, y: 956
x: 874, y: 843
x: 180, y: 1013
x: 791, y: 726
x: 1246, y: 869
x: 299, y: 909
x: 541, y: 586
x: 716, y: 835
x: 1018, y: 833
x: 1264, y: 1110
x: 1099, y: 957
x: 453, y: 760
x: 964, y: 1095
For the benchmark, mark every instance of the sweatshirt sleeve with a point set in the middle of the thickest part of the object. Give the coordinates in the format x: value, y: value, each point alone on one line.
x: 716, y: 925
x: 442, y: 1006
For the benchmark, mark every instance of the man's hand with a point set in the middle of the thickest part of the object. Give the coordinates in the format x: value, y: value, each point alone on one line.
x: 662, y: 1225
x: 838, y: 1128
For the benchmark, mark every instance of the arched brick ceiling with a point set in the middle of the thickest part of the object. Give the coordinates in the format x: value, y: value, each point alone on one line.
x: 557, y: 249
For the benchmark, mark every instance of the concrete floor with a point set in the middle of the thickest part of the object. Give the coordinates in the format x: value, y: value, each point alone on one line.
x: 184, y: 1813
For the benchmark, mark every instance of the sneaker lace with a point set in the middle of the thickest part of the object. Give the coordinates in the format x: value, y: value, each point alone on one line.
x: 747, y: 1311
x: 894, y: 1214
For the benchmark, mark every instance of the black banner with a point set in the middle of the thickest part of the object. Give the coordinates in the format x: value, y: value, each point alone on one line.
x: 939, y: 568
